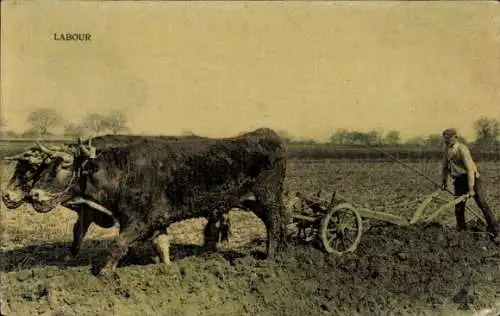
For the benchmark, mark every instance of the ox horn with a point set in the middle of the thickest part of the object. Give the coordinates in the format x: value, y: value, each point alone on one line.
x: 84, y: 150
x: 67, y: 157
x: 44, y: 149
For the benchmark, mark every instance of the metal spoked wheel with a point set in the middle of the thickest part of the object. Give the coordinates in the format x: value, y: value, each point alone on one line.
x: 341, y: 229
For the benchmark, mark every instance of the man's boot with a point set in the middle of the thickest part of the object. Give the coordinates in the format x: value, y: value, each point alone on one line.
x: 495, y: 230
x: 460, y: 217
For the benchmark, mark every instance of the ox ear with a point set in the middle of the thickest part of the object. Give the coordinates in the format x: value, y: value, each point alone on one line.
x: 14, y: 158
x: 24, y: 156
x: 43, y: 149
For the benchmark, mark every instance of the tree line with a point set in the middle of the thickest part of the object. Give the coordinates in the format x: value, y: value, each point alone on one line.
x: 487, y: 135
x: 43, y: 121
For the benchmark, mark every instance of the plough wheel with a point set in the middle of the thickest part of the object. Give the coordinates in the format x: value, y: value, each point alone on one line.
x: 341, y: 229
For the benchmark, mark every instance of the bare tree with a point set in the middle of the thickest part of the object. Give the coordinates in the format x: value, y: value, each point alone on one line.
x: 95, y: 123
x: 116, y: 122
x: 487, y: 131
x: 74, y: 130
x: 434, y: 140
x: 346, y: 137
x: 417, y: 141
x: 393, y: 137
x: 41, y: 120
x: 341, y: 136
x: 372, y: 137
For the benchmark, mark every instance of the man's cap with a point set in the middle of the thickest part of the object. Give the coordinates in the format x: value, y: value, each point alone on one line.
x: 450, y: 132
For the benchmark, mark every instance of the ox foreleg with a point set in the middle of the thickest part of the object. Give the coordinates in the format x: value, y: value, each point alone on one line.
x: 87, y: 216
x: 80, y: 228
x: 210, y: 234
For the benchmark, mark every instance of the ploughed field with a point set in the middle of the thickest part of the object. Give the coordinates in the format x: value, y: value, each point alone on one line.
x: 395, y: 270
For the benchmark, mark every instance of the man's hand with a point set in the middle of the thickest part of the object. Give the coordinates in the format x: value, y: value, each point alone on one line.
x: 470, y: 194
x: 444, y: 186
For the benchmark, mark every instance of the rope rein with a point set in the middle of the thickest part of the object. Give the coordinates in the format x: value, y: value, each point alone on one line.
x: 76, y: 175
x: 68, y: 187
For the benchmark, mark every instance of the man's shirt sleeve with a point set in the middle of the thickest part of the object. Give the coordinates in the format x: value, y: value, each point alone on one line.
x: 467, y: 159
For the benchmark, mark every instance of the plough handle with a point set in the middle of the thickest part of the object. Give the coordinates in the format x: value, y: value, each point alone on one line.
x: 423, y: 175
x: 452, y: 203
x: 332, y: 200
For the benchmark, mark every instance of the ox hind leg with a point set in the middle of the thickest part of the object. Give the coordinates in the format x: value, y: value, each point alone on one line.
x: 161, y: 244
x: 269, y: 207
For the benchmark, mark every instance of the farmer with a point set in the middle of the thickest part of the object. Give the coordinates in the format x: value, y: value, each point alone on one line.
x: 459, y: 164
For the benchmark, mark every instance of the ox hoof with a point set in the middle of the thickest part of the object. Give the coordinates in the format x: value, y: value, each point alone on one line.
x: 165, y: 268
x: 95, y: 270
x: 74, y: 252
x: 496, y: 239
x: 210, y: 246
x: 161, y: 260
x: 105, y: 273
x: 109, y: 275
x: 68, y: 258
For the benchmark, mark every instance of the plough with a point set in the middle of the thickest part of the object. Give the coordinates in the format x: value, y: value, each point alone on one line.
x: 338, y: 223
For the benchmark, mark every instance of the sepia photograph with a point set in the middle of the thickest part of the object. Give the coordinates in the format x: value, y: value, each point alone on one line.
x: 250, y: 158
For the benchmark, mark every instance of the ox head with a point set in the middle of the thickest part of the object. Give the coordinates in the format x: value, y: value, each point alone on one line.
x: 26, y: 172
x: 60, y: 177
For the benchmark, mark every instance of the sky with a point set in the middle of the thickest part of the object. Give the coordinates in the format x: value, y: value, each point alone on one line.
x: 222, y: 68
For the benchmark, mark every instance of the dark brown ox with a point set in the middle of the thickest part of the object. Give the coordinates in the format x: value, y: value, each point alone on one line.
x: 150, y: 185
x: 33, y: 161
